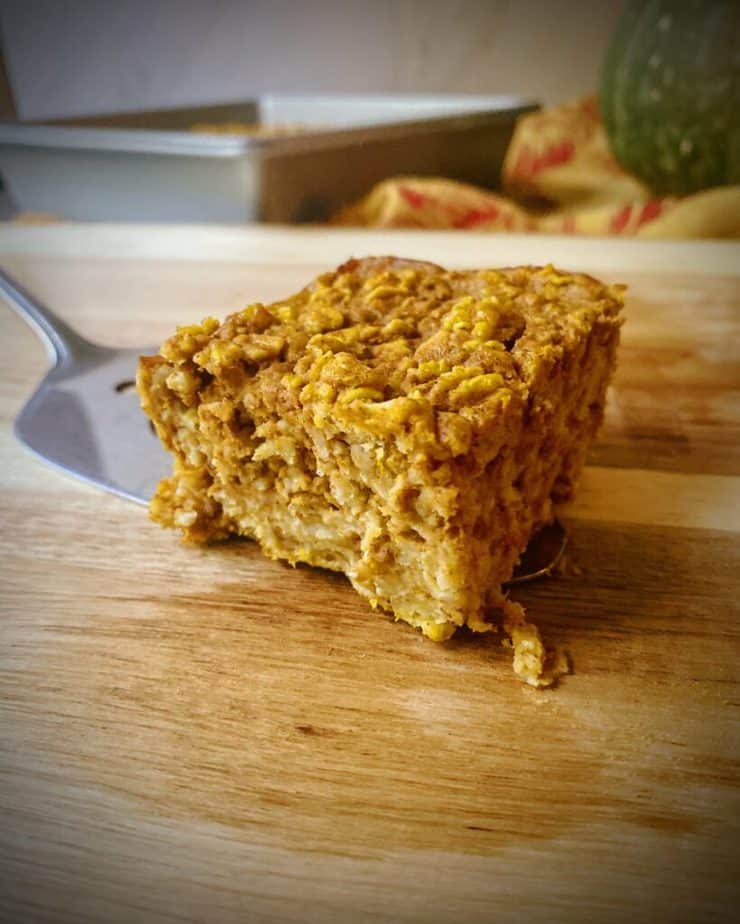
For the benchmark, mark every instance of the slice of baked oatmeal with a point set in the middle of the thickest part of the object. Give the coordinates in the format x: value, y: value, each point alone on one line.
x: 405, y: 424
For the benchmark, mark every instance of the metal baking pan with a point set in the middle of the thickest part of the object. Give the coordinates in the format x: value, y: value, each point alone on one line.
x: 152, y: 166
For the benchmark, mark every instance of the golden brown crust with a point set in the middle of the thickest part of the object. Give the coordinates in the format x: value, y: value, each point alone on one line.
x: 374, y: 331
x: 403, y: 423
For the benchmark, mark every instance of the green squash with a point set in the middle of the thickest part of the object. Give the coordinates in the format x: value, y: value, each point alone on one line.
x: 670, y: 93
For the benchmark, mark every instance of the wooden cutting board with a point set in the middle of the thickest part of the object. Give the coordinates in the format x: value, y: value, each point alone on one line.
x: 207, y: 735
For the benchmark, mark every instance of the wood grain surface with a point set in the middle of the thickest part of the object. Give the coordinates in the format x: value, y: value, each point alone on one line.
x: 206, y: 735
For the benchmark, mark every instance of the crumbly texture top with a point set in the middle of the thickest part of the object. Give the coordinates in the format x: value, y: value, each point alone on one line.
x: 382, y: 340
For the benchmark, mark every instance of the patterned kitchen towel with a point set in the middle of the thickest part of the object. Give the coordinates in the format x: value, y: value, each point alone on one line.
x: 558, y: 176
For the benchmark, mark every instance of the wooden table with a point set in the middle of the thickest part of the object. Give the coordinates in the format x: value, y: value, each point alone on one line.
x: 205, y: 735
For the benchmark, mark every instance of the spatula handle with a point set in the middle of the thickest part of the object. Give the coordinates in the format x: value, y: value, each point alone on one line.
x: 60, y: 340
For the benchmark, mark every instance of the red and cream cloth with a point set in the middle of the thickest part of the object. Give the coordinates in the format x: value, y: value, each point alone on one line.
x: 559, y: 177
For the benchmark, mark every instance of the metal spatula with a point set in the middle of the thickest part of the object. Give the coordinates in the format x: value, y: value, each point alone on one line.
x: 84, y: 418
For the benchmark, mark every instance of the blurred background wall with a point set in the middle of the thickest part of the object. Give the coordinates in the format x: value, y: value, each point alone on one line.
x: 69, y: 57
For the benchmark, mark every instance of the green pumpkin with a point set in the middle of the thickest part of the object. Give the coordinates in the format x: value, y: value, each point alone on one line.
x: 670, y: 93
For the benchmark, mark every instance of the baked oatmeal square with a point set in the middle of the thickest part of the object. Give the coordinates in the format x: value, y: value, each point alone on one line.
x: 407, y: 425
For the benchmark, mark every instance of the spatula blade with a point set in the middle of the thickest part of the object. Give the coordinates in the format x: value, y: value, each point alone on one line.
x: 85, y: 419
